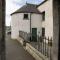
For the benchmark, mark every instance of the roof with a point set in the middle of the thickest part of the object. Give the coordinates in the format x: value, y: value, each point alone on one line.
x: 28, y: 8
x: 42, y: 3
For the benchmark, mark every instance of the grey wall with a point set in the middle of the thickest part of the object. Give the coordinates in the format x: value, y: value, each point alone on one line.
x: 59, y: 30
x: 55, y: 30
x: 2, y: 30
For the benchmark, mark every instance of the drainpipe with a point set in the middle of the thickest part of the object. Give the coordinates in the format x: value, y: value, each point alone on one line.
x: 30, y: 27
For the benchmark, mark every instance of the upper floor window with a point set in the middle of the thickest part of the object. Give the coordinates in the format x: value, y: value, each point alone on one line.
x: 43, y: 31
x: 43, y: 16
x: 25, y: 16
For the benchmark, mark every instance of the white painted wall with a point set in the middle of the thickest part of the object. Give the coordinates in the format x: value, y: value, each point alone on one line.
x: 14, y: 27
x: 24, y: 25
x: 48, y: 23
x: 36, y: 22
x: 20, y: 24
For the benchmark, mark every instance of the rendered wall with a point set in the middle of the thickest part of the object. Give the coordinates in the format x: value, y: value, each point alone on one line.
x: 36, y: 22
x: 48, y: 23
x: 20, y: 24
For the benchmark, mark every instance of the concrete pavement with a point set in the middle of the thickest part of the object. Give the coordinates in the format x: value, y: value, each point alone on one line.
x: 14, y: 50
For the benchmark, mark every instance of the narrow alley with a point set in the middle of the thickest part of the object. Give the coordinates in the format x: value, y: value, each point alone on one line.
x: 14, y: 50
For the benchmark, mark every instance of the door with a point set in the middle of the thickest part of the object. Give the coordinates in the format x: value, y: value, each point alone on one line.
x: 34, y: 34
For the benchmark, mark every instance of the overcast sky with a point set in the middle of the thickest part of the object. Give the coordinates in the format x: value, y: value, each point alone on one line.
x: 13, y: 5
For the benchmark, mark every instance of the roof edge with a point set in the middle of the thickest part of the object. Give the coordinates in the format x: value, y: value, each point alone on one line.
x: 32, y: 4
x: 24, y: 12
x: 42, y: 3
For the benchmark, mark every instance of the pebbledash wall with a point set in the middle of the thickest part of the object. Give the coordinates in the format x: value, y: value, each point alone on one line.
x: 20, y: 24
x: 47, y: 6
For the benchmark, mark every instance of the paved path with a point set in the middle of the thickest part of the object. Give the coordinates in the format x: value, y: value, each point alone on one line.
x: 14, y: 51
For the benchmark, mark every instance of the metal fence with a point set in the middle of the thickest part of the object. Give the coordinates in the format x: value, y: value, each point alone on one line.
x: 43, y: 44
x: 25, y: 35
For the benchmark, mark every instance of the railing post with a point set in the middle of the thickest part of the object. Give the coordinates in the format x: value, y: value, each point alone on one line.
x: 41, y: 44
x: 48, y: 48
x: 45, y: 46
x: 38, y: 43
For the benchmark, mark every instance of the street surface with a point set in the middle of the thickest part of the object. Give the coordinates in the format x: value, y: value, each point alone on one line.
x: 14, y: 50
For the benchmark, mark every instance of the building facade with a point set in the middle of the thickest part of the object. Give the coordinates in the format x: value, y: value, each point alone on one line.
x: 47, y: 9
x: 26, y: 21
x: 41, y: 19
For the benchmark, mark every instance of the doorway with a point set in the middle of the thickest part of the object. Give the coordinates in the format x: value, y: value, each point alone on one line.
x: 34, y: 34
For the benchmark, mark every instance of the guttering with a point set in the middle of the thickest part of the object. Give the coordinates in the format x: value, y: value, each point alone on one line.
x: 30, y: 26
x: 25, y: 12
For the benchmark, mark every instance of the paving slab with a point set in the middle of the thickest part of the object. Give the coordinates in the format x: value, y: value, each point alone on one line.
x: 15, y: 51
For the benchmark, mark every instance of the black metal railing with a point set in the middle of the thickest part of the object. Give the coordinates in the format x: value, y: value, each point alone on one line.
x: 43, y: 44
x: 24, y: 35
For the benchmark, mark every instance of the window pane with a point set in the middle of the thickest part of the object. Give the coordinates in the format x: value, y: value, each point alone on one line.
x: 43, y: 32
x: 43, y: 16
x: 25, y: 16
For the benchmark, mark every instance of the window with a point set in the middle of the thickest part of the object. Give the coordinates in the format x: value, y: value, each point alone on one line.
x: 43, y: 32
x: 25, y: 16
x: 43, y: 16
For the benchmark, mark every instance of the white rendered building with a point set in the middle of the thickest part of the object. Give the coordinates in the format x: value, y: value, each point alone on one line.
x: 27, y: 19
x: 34, y: 19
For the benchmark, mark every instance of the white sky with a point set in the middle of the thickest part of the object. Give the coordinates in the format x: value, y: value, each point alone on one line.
x: 13, y: 5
